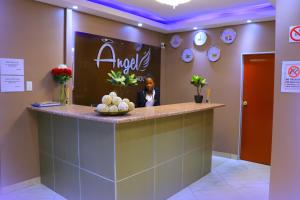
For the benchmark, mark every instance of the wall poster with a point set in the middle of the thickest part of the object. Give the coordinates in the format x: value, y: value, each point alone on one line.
x: 95, y: 56
x: 11, y: 75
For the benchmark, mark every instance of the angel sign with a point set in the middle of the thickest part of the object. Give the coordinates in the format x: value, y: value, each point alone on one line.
x: 127, y: 64
x: 145, y: 61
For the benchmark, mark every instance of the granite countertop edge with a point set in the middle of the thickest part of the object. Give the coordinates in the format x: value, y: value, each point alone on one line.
x: 139, y: 114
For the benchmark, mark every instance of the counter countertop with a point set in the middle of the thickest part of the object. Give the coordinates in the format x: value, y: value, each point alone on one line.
x: 138, y: 114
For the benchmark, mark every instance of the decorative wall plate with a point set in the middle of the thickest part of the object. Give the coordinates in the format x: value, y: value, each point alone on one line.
x: 213, y: 54
x: 187, y: 55
x: 200, y: 38
x: 175, y: 41
x: 228, y: 36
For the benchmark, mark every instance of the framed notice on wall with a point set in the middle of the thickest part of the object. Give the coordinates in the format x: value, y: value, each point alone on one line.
x: 11, y: 75
x: 96, y: 55
x: 290, y: 77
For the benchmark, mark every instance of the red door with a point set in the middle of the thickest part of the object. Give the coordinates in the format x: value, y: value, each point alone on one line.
x: 258, y: 108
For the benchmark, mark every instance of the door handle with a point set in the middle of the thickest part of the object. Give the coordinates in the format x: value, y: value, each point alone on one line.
x: 245, y: 103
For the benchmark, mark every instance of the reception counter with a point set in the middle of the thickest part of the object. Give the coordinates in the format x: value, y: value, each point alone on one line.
x: 151, y: 153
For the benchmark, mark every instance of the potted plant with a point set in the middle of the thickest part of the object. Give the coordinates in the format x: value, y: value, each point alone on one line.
x: 120, y: 80
x: 199, y: 82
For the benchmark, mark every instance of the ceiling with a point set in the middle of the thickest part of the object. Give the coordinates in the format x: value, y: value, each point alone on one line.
x: 163, y: 18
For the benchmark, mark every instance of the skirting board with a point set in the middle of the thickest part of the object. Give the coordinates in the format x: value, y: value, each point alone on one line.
x: 226, y: 155
x: 20, y: 185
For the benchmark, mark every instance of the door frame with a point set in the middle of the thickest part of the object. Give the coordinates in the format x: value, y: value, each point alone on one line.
x: 242, y: 95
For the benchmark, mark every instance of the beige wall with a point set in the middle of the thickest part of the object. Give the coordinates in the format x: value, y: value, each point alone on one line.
x: 223, y: 76
x: 285, y: 171
x: 35, y: 32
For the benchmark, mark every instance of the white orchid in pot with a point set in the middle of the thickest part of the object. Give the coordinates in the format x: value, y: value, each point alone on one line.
x: 199, y: 82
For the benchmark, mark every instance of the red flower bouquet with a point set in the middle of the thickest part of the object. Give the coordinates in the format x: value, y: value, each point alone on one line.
x: 61, y: 74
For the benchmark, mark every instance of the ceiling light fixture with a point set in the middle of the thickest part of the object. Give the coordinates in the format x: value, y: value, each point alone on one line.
x: 195, y: 28
x: 140, y: 24
x: 75, y: 7
x: 173, y: 3
x: 249, y: 21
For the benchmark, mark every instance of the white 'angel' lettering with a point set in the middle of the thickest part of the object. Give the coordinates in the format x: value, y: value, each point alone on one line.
x: 127, y: 64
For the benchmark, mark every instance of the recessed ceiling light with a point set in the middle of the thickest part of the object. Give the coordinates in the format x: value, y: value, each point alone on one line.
x: 140, y: 24
x: 249, y: 21
x: 75, y: 7
x: 173, y: 3
x: 195, y: 28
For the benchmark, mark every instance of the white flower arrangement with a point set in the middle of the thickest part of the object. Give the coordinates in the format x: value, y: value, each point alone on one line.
x: 113, y: 94
x: 131, y: 106
x: 126, y: 100
x: 102, y: 108
x: 113, y: 109
x: 116, y: 101
x: 107, y: 100
x: 113, y: 104
x: 123, y: 107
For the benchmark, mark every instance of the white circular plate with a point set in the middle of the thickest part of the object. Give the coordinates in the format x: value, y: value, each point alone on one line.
x: 228, y: 36
x: 200, y: 38
x: 175, y: 41
x: 187, y: 55
x: 213, y: 54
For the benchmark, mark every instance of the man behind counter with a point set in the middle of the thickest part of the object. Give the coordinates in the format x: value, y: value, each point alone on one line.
x: 150, y: 95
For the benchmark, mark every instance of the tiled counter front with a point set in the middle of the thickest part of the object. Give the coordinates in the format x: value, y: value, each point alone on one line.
x: 142, y: 160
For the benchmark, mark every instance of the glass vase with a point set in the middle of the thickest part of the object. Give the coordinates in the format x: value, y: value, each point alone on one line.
x: 63, y: 98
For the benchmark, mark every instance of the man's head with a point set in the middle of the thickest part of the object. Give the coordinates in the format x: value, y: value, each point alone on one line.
x: 149, y: 83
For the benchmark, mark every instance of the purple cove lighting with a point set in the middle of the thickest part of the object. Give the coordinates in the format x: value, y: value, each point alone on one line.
x: 238, y: 11
x: 129, y: 9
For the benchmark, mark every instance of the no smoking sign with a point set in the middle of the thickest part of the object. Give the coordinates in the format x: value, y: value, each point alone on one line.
x: 294, y: 71
x: 294, y: 34
x: 290, y: 78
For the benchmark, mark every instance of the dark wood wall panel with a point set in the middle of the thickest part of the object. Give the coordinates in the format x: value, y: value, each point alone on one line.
x: 90, y: 81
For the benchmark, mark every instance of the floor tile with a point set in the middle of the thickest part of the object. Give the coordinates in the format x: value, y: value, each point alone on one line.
x: 37, y: 192
x: 229, y: 180
x: 185, y: 194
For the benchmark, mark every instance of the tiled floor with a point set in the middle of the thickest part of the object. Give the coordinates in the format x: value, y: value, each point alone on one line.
x: 37, y: 192
x: 229, y: 180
